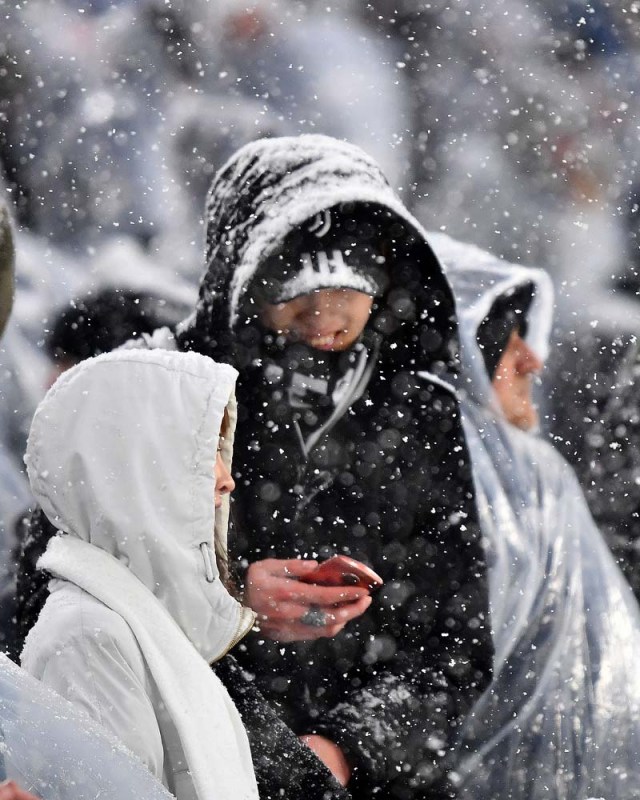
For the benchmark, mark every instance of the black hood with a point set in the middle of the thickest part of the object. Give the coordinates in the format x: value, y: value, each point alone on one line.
x: 269, y: 189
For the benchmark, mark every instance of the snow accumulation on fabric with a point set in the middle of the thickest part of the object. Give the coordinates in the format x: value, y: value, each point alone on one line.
x: 289, y: 180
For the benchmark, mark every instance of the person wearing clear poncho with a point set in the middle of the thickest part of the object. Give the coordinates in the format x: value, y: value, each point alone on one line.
x: 561, y: 717
x: 51, y: 748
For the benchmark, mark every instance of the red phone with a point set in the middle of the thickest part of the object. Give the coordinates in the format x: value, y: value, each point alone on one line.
x: 343, y: 571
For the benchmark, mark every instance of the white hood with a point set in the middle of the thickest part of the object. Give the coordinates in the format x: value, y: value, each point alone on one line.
x: 478, y: 279
x: 121, y: 454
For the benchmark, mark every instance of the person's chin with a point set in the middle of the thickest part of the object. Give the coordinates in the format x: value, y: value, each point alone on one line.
x: 529, y: 422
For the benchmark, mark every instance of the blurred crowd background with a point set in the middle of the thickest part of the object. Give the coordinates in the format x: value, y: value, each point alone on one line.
x: 510, y: 124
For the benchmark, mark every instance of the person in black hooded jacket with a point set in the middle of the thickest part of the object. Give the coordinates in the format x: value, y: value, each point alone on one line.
x: 356, y: 450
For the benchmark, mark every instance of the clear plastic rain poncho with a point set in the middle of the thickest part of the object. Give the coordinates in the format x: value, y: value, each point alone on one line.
x: 561, y: 718
x: 51, y: 748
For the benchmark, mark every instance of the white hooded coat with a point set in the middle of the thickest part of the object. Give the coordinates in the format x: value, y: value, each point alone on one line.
x: 561, y: 718
x: 121, y: 458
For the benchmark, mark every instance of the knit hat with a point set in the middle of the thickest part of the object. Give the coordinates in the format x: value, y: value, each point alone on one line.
x: 331, y: 251
x: 508, y: 313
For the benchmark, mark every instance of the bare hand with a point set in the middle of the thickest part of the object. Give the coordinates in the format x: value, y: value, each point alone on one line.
x: 9, y: 790
x: 281, y: 601
x: 331, y: 756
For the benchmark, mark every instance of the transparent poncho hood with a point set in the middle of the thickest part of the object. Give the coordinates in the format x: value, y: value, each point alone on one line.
x: 478, y: 279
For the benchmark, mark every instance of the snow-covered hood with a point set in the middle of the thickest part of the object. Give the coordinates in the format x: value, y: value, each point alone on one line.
x: 478, y: 279
x: 268, y: 189
x: 121, y: 454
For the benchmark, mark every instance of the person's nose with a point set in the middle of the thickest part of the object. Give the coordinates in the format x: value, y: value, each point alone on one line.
x: 225, y: 484
x: 319, y: 303
x: 529, y: 361
x: 320, y: 311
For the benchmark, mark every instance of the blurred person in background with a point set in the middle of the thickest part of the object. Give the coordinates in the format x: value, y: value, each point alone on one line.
x: 562, y: 709
x: 95, y: 101
x: 12, y: 492
x: 9, y: 790
x: 610, y: 465
x: 592, y: 408
x: 104, y: 319
x: 606, y: 433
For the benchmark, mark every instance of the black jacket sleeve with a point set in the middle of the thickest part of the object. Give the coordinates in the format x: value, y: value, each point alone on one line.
x: 400, y: 728
x: 399, y: 717
x: 284, y: 766
x: 395, y: 732
x: 33, y: 533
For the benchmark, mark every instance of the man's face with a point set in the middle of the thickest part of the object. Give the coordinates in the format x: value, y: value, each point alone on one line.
x: 513, y: 382
x: 327, y: 319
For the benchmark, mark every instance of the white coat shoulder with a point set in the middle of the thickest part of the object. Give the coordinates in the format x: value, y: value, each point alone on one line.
x: 88, y: 654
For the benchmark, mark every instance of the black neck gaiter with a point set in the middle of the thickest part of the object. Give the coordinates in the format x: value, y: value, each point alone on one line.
x: 312, y: 387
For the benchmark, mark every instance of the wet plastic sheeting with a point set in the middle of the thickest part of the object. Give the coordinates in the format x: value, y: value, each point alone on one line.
x: 561, y: 720
x: 55, y: 751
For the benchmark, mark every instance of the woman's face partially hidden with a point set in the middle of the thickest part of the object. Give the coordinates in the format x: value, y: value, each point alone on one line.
x: 327, y: 319
x: 224, y: 482
x: 513, y: 383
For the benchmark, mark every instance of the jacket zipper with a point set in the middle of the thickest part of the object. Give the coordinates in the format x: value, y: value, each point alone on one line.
x: 245, y: 623
x: 247, y: 616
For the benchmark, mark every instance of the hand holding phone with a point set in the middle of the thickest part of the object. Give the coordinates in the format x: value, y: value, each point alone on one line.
x: 343, y: 571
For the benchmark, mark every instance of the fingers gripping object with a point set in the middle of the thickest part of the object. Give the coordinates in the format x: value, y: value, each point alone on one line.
x: 343, y: 571
x: 315, y: 617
